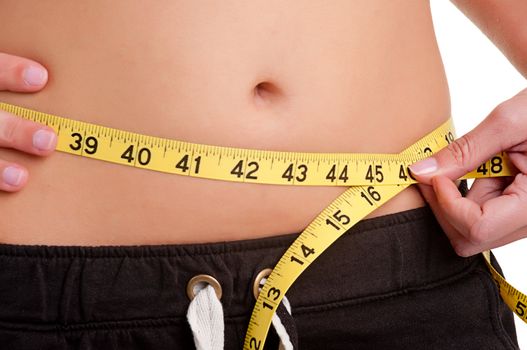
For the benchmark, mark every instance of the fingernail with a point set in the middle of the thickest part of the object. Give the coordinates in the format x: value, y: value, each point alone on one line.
x: 13, y: 176
x: 44, y: 140
x: 35, y: 76
x: 423, y: 167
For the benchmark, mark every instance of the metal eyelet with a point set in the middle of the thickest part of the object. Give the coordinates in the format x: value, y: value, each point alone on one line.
x: 257, y: 281
x: 201, y: 281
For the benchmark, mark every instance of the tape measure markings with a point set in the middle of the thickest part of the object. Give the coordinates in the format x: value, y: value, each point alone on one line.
x: 227, y: 163
x: 375, y: 178
x: 347, y: 210
x: 308, y: 250
x: 515, y: 300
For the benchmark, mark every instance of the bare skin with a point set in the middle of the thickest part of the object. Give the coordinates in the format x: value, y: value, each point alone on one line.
x: 307, y: 76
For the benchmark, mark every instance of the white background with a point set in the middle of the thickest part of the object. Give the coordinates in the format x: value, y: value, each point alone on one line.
x: 480, y: 77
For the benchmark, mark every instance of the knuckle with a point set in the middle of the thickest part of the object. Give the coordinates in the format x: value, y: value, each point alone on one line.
x: 505, y: 116
x: 508, y: 116
x: 520, y: 182
x: 461, y: 151
x: 4, y: 77
x: 3, y: 59
x: 518, y: 188
x: 477, y: 234
x: 11, y: 72
x: 461, y: 249
x: 502, y: 112
x: 9, y: 128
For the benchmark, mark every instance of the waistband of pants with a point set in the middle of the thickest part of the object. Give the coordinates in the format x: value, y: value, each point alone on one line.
x: 79, y: 285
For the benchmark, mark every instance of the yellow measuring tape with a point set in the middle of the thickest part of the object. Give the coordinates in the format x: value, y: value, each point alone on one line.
x: 373, y: 179
x: 229, y: 164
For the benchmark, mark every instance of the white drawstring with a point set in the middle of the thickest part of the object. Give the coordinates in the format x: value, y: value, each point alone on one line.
x: 281, y: 330
x: 205, y: 316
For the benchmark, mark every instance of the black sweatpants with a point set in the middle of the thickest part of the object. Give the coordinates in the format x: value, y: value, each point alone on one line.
x: 391, y: 282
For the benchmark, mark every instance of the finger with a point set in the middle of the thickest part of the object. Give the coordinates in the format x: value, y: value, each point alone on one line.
x: 461, y: 212
x: 25, y: 135
x: 465, y: 248
x: 505, y: 127
x: 13, y: 177
x: 495, y: 219
x: 428, y: 193
x: 485, y: 189
x: 19, y: 74
x: 504, y: 214
x: 462, y: 245
x: 431, y: 198
x: 519, y: 160
x: 457, y: 240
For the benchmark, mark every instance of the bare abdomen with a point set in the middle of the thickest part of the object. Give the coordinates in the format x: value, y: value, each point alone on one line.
x: 326, y: 77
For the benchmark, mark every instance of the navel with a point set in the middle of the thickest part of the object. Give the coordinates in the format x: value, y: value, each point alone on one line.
x: 266, y: 92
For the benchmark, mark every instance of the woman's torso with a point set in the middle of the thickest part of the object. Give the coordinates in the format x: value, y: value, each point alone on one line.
x: 338, y: 76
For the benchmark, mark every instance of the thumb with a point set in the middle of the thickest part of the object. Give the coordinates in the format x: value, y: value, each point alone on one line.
x: 505, y: 127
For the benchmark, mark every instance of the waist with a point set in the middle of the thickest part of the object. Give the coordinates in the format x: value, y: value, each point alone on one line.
x: 266, y: 98
x: 402, y: 251
x: 78, y: 201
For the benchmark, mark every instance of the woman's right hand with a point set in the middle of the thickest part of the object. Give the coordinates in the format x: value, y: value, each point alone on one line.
x: 18, y: 74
